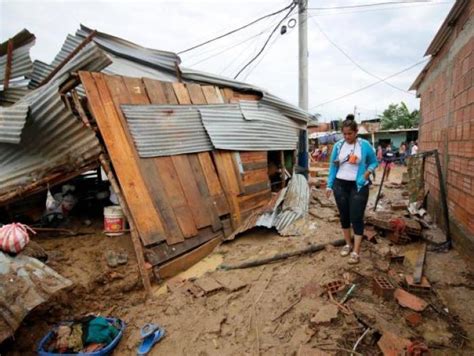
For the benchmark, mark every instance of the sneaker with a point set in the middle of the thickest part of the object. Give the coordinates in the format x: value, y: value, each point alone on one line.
x: 354, y: 259
x: 346, y: 250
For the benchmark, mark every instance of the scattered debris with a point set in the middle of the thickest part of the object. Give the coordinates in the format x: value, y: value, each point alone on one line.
x: 326, y: 314
x: 382, y: 287
x: 413, y: 319
x: 208, y: 285
x: 392, y: 344
x: 334, y: 286
x: 231, y: 283
x: 409, y: 300
x: 423, y: 287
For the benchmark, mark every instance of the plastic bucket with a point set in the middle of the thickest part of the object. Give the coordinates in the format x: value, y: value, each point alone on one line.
x: 114, y: 221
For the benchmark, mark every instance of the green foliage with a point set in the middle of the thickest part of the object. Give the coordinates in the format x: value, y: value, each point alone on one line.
x: 397, y: 116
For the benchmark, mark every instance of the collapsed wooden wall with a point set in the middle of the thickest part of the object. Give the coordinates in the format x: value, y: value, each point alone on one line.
x: 177, y: 202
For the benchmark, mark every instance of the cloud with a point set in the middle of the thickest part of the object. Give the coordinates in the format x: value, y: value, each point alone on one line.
x: 384, y: 41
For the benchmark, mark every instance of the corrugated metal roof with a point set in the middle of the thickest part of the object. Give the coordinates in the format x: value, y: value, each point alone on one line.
x: 53, y: 141
x: 288, y: 109
x: 282, y: 211
x: 295, y: 205
x: 265, y: 128
x: 12, y: 120
x: 125, y: 49
x: 39, y: 73
x: 15, y: 91
x: 21, y: 62
x: 164, y: 131
x: 37, y: 283
x: 161, y: 130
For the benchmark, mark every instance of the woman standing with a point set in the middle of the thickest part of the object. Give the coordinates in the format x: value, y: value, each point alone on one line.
x: 352, y: 161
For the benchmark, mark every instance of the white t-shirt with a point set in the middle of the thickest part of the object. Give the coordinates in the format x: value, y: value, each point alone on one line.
x: 414, y: 150
x: 348, y: 171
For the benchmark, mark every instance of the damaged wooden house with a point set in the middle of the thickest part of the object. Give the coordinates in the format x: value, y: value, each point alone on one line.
x: 192, y: 156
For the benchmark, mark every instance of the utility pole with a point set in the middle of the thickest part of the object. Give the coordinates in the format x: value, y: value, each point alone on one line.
x: 303, y: 53
x: 303, y: 79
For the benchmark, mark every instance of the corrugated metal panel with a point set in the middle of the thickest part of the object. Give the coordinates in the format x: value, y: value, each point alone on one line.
x: 162, y: 131
x: 125, y: 49
x: 288, y: 109
x: 12, y: 120
x: 37, y: 283
x: 15, y: 92
x: 264, y: 129
x: 21, y: 63
x: 282, y: 211
x: 295, y: 205
x: 39, y: 72
x: 68, y: 46
x: 53, y: 140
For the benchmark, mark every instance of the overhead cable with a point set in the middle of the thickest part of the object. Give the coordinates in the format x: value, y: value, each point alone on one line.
x: 354, y: 62
x: 372, y: 84
x: 268, y: 40
x: 370, y: 5
x: 291, y: 5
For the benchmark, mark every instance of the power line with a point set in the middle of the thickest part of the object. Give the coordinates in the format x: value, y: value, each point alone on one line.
x: 370, y: 5
x: 229, y: 48
x: 354, y: 62
x: 319, y: 14
x: 242, y: 54
x: 293, y: 5
x: 238, y: 29
x: 372, y: 84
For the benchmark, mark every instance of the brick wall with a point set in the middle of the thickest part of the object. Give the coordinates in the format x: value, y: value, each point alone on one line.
x: 447, y: 124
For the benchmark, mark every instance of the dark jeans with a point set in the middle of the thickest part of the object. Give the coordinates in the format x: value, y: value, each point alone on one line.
x: 351, y: 204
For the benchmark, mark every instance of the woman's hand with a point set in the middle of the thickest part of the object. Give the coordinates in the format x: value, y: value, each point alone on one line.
x: 367, y: 174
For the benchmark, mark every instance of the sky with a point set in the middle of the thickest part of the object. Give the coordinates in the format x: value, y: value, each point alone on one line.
x: 383, y: 40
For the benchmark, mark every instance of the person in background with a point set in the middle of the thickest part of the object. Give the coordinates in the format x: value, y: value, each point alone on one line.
x: 410, y: 146
x: 324, y: 153
x: 403, y: 153
x: 387, y: 161
x: 414, y: 149
x: 352, y: 161
x: 379, y: 153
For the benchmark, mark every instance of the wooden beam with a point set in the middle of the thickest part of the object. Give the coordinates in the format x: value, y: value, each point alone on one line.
x: 187, y: 260
x: 134, y: 234
x: 80, y: 109
x: 418, y: 272
x: 8, y: 68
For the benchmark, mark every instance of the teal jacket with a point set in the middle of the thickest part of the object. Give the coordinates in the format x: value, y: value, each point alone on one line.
x: 368, y: 162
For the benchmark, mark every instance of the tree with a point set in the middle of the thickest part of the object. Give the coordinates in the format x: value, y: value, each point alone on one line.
x: 398, y: 116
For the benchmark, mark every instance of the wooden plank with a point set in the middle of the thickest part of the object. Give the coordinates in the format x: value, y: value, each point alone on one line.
x: 134, y: 233
x: 169, y: 92
x: 235, y: 162
x: 155, y: 91
x: 253, y: 156
x: 254, y: 166
x: 213, y: 184
x: 162, y: 253
x: 256, y: 176
x: 212, y: 94
x: 228, y: 95
x: 124, y: 159
x: 196, y: 201
x: 258, y: 187
x: 182, y: 93
x: 203, y: 189
x: 132, y: 91
x: 227, y: 176
x: 418, y: 272
x: 195, y: 93
x: 251, y: 202
x: 185, y: 261
x: 176, y: 197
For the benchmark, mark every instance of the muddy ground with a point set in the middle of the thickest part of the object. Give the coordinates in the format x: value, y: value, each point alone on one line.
x: 275, y: 309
